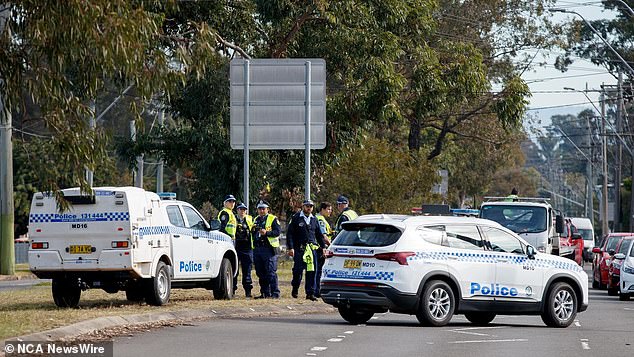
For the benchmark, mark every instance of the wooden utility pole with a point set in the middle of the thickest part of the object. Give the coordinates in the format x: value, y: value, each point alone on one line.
x: 7, y: 249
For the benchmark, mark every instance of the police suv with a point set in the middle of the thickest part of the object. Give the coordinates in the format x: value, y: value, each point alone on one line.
x: 126, y: 238
x: 438, y: 266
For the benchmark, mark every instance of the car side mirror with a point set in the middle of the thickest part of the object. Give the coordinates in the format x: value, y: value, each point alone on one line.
x: 214, y: 225
x: 619, y: 256
x: 559, y: 224
x: 530, y: 252
x: 596, y: 250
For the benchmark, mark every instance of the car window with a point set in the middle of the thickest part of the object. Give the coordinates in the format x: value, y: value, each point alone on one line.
x: 194, y: 220
x: 499, y: 241
x: 433, y: 234
x: 611, y: 245
x: 175, y: 216
x: 461, y: 236
x: 632, y: 251
x: 368, y: 235
x: 519, y: 219
x: 625, y: 246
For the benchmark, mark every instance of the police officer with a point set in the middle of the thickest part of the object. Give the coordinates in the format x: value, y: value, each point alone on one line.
x: 304, y: 240
x: 513, y: 196
x: 227, y: 218
x: 345, y: 212
x: 325, y: 211
x: 266, y: 239
x: 244, y: 248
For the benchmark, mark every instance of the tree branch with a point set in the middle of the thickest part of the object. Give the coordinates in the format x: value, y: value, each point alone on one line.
x: 281, y: 48
x: 232, y: 46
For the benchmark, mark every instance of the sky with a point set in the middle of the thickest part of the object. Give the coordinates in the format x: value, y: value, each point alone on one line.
x: 547, y: 84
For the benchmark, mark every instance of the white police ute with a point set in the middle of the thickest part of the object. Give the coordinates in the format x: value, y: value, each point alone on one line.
x: 126, y: 238
x: 438, y: 266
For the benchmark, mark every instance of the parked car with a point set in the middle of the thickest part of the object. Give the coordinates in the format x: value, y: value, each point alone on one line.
x: 614, y: 269
x: 626, y: 281
x: 603, y: 254
x: 571, y: 242
x: 585, y: 228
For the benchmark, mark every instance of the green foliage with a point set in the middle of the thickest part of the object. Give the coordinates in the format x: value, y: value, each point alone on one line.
x: 380, y: 178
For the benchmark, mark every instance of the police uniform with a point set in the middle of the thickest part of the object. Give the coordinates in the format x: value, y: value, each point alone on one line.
x: 305, y: 238
x: 244, y: 249
x: 265, y: 253
x: 327, y: 232
x: 227, y: 219
x: 348, y: 214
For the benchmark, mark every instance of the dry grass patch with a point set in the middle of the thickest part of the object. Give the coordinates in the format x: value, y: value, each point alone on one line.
x: 32, y: 310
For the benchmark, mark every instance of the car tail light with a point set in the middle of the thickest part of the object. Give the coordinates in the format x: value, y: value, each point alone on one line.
x: 328, y: 254
x: 400, y: 257
x: 39, y: 245
x: 120, y: 244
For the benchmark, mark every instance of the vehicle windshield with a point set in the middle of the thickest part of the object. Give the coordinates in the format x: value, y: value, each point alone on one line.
x: 586, y: 234
x: 367, y: 235
x: 519, y: 219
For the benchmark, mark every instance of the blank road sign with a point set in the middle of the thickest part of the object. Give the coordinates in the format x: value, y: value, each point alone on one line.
x: 277, y: 103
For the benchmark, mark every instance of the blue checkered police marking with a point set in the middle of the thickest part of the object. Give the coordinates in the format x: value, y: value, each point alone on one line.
x: 384, y: 275
x: 484, y: 257
x: 84, y: 217
x: 159, y: 230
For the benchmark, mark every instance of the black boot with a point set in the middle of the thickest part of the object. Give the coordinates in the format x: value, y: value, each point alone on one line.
x: 295, y: 293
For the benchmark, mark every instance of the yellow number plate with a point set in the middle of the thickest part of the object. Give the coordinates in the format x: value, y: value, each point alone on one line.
x: 352, y: 264
x: 80, y: 249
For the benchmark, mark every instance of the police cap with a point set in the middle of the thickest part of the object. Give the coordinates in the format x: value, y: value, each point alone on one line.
x: 242, y: 206
x: 342, y: 199
x: 308, y: 203
x: 229, y: 198
x: 263, y: 204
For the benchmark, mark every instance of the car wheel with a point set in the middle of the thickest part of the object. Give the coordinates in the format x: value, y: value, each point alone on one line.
x: 160, y: 286
x: 437, y: 304
x: 355, y: 316
x: 479, y: 318
x: 224, y: 285
x: 560, y: 307
x: 65, y: 292
x: 624, y: 296
x: 612, y: 291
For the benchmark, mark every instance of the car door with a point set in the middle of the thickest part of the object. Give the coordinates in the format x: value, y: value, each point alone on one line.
x: 517, y: 278
x: 181, y: 243
x: 467, y: 260
x: 203, y: 256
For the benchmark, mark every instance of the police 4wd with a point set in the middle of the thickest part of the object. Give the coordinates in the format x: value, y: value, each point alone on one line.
x: 125, y: 238
x: 435, y: 267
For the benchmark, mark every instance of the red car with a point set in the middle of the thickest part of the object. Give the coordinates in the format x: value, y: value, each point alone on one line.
x: 571, y: 243
x: 602, y: 255
x: 614, y: 270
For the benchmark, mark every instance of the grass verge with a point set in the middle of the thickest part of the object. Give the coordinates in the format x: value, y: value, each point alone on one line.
x: 31, y: 310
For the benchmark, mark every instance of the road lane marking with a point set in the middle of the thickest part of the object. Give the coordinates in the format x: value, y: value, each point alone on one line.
x: 489, y: 341
x: 341, y: 336
x: 628, y: 309
x: 348, y: 332
x: 584, y: 344
x: 311, y: 354
x: 335, y: 339
x: 318, y: 348
x: 468, y: 330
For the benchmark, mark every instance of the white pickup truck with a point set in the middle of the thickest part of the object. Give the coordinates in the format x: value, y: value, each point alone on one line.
x: 126, y: 238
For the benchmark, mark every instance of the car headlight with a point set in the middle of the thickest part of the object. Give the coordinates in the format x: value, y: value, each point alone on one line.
x: 626, y: 268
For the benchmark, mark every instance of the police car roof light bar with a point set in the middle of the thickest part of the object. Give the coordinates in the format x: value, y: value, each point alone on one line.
x: 518, y: 199
x: 167, y: 195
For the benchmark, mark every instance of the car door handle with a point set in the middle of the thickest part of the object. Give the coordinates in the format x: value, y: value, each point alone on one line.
x: 452, y: 257
x: 502, y: 260
x: 195, y: 237
x: 176, y: 236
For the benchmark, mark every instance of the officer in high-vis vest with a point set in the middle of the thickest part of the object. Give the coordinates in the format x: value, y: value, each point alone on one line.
x: 305, y: 243
x: 346, y: 213
x: 266, y: 241
x: 227, y: 218
x: 325, y: 211
x: 244, y: 248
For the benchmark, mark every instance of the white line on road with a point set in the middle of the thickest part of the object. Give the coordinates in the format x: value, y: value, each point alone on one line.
x: 349, y: 332
x: 341, y: 336
x: 318, y: 348
x: 477, y: 328
x: 628, y: 309
x: 311, y: 354
x: 584, y: 344
x: 485, y: 341
x: 335, y: 339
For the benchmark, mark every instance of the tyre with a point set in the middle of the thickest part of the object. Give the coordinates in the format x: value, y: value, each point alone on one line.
x: 355, y: 316
x: 624, y: 296
x: 66, y: 293
x: 223, y: 289
x: 159, y: 286
x: 135, y: 291
x: 560, y: 307
x: 479, y: 318
x: 437, y: 304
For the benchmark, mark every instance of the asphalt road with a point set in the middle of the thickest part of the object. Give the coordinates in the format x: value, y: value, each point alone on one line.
x: 605, y: 329
x: 20, y: 284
